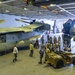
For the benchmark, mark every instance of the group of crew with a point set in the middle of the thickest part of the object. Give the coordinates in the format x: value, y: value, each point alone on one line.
x: 44, y: 48
x: 47, y: 47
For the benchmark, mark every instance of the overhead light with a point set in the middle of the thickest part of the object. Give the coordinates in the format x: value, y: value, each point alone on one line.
x: 25, y: 8
x: 61, y: 10
x: 0, y: 2
x: 52, y: 5
x: 40, y: 12
x: 6, y: 10
x: 45, y: 7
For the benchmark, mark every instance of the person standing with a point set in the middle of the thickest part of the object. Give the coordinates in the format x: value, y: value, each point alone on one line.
x: 65, y: 46
x: 37, y: 43
x: 55, y: 40
x: 48, y: 38
x: 47, y: 51
x: 31, y: 46
x: 42, y: 40
x: 15, y: 52
x: 41, y: 52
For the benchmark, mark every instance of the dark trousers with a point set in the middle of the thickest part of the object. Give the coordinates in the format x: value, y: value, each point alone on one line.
x: 41, y: 56
x: 37, y: 45
x: 31, y: 53
x: 15, y: 57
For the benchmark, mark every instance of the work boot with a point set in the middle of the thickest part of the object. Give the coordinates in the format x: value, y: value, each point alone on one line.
x: 13, y: 60
x: 40, y: 62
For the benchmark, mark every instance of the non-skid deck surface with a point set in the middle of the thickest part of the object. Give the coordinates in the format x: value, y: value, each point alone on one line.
x: 29, y: 65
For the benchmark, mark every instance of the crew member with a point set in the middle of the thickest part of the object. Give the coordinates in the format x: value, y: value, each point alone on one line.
x: 41, y: 52
x: 48, y: 38
x: 42, y: 39
x: 47, y: 51
x: 65, y: 46
x: 37, y: 43
x: 15, y: 52
x: 31, y: 49
x: 57, y: 47
x: 54, y: 48
x: 55, y: 40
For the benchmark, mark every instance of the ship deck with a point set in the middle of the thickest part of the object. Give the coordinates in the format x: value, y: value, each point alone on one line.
x: 29, y: 65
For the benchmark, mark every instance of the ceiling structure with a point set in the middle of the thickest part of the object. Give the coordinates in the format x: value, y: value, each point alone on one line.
x: 50, y: 11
